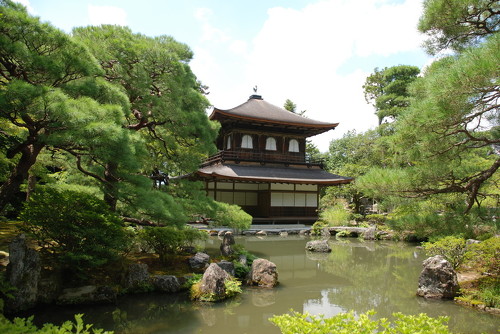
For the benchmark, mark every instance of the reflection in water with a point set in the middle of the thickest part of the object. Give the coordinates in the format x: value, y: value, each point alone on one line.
x: 355, y: 275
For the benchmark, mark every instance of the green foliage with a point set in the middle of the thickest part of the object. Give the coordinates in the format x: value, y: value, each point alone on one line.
x: 22, y: 326
x: 168, y: 240
x: 76, y: 227
x: 337, y: 215
x: 39, y: 110
x: 485, y: 255
x: 353, y: 155
x: 317, y: 227
x: 191, y: 280
x: 348, y: 323
x: 232, y: 288
x: 451, y: 248
x: 376, y: 218
x: 487, y: 292
x: 240, y: 270
x: 387, y: 90
x: 231, y: 215
x: 239, y: 249
x: 457, y: 24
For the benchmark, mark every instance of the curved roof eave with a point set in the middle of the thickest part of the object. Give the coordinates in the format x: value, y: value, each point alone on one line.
x: 318, y: 125
x: 277, y: 180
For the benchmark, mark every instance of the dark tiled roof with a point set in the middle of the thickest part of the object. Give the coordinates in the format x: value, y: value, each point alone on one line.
x: 259, y: 110
x: 272, y: 174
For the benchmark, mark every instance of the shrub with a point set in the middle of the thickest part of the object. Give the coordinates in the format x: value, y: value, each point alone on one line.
x: 451, y: 248
x: 336, y: 215
x: 485, y: 255
x: 317, y: 227
x: 22, y: 325
x: 76, y: 227
x: 168, y: 240
x: 232, y: 216
x: 376, y: 218
x: 239, y: 249
x: 347, y: 323
x: 240, y: 270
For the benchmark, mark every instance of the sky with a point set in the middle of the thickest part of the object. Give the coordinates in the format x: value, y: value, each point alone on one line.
x: 315, y: 53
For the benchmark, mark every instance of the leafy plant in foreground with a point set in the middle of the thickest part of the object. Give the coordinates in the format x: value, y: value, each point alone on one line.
x: 22, y: 325
x: 347, y: 323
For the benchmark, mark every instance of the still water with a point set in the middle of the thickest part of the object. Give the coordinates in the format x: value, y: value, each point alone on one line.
x: 357, y: 275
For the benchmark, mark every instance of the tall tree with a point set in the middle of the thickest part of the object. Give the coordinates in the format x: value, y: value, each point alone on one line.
x: 38, y: 64
x: 292, y: 107
x: 354, y: 155
x: 167, y: 102
x: 449, y: 136
x: 457, y: 24
x: 387, y: 90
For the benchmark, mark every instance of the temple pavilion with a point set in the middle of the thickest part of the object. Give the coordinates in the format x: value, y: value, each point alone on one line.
x: 262, y: 165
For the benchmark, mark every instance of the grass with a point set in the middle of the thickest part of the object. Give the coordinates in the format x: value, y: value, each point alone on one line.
x: 8, y: 230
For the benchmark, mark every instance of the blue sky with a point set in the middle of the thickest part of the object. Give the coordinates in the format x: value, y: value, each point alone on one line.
x: 316, y: 53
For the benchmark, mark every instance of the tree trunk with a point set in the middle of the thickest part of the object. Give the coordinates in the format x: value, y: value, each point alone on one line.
x: 29, y: 155
x: 31, y: 186
x: 110, y: 186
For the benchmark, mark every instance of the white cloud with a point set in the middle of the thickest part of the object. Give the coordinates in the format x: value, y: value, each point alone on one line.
x: 239, y: 47
x: 297, y: 55
x: 107, y: 15
x: 209, y: 32
x: 27, y: 4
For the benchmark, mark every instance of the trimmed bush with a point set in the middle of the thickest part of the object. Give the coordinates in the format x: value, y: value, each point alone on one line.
x: 232, y: 216
x: 451, y: 248
x: 169, y: 240
x: 76, y: 227
x: 485, y: 255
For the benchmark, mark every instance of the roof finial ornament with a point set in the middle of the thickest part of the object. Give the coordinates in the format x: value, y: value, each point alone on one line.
x: 255, y: 96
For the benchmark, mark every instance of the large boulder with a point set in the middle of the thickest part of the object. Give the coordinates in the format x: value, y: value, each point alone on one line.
x: 318, y: 246
x: 89, y: 294
x: 166, y: 283
x: 438, y: 279
x: 227, y: 266
x: 137, y: 277
x: 227, y: 242
x: 213, y: 283
x: 199, y: 261
x: 23, y: 273
x: 370, y: 233
x: 263, y: 273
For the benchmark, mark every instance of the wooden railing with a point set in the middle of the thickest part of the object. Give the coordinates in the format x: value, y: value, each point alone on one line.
x: 262, y: 157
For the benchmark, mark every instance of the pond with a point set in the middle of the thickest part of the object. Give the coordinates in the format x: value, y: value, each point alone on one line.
x: 357, y: 275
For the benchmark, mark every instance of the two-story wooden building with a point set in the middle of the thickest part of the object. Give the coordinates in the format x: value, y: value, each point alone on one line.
x: 262, y: 163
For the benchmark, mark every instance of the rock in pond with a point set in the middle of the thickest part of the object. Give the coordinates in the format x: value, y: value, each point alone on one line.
x: 227, y: 242
x: 213, y: 282
x: 227, y: 266
x: 89, y: 294
x: 199, y: 261
x: 370, y: 233
x: 263, y: 274
x: 437, y: 280
x: 166, y: 283
x: 318, y: 246
x: 23, y: 273
x: 137, y: 276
